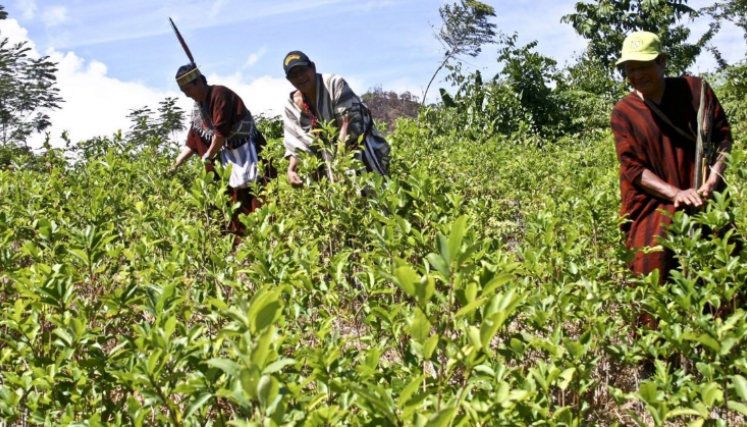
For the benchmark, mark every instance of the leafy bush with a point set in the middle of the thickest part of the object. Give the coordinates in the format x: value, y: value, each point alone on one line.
x: 731, y: 86
x: 483, y: 284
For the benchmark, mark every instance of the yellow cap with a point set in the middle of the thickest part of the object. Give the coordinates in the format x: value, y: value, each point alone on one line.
x: 640, y: 46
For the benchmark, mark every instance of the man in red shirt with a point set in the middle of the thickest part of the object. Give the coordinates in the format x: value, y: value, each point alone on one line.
x: 222, y: 127
x: 655, y: 137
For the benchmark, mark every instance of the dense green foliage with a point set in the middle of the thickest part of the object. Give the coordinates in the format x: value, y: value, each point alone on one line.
x: 733, y: 94
x: 483, y: 285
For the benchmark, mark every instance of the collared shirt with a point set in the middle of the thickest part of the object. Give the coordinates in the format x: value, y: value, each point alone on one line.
x: 334, y: 100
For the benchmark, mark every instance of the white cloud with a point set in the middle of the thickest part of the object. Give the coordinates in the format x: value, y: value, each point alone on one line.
x: 54, y: 16
x: 15, y: 33
x: 264, y: 95
x: 217, y: 7
x: 97, y: 104
x: 27, y: 8
x: 256, y: 56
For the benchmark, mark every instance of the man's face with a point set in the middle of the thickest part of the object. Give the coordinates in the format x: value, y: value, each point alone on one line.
x: 192, y: 90
x: 303, y: 78
x: 646, y: 77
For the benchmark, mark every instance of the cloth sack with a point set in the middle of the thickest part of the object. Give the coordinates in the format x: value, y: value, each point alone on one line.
x: 376, y: 150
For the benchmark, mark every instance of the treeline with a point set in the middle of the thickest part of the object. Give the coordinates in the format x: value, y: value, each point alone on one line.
x: 528, y: 92
x: 531, y: 92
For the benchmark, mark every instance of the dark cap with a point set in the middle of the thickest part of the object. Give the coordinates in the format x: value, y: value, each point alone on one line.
x: 294, y: 59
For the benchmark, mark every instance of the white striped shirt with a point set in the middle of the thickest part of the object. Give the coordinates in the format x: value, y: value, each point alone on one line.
x: 334, y: 100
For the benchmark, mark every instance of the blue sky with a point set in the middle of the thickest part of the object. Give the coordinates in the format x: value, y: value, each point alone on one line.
x: 376, y: 40
x: 118, y: 55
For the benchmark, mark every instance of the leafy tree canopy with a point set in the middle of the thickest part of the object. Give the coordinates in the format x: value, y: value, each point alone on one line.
x: 147, y: 125
x: 27, y: 91
x: 465, y: 27
x: 734, y: 11
x: 605, y: 23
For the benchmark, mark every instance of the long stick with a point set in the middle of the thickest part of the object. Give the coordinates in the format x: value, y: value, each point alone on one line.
x: 183, y: 43
x: 702, y: 159
x: 702, y: 124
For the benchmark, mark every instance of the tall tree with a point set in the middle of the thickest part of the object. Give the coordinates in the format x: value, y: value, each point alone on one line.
x: 465, y: 27
x: 27, y: 91
x: 170, y: 118
x: 532, y: 76
x: 734, y: 11
x: 147, y: 125
x: 605, y: 23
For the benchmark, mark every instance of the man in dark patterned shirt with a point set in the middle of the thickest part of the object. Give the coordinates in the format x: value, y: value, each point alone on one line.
x: 655, y: 137
x: 223, y: 128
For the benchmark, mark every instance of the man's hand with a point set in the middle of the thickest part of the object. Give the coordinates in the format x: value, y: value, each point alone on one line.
x: 688, y: 197
x: 294, y: 179
x: 706, y: 190
x: 185, y: 154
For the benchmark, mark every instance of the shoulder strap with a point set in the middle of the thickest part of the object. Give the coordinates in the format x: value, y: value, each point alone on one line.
x: 666, y: 120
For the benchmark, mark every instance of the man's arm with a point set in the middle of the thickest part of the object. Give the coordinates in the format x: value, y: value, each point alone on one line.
x: 215, y: 146
x: 717, y: 170
x: 344, y: 128
x: 294, y: 138
x: 183, y: 156
x: 655, y: 186
x: 634, y: 166
x: 292, y: 173
x: 345, y: 111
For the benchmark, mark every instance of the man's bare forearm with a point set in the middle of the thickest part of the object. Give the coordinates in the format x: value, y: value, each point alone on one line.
x: 215, y: 146
x: 344, y: 129
x: 293, y: 165
x: 183, y: 156
x: 655, y: 186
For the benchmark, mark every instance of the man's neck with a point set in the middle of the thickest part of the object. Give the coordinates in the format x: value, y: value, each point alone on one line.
x: 656, y: 96
x: 311, y: 95
x: 204, y: 94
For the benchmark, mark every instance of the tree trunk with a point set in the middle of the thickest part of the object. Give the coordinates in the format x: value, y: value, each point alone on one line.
x: 446, y: 59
